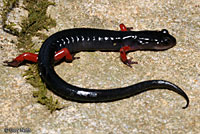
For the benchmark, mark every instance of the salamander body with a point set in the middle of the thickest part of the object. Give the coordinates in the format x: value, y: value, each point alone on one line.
x: 66, y: 43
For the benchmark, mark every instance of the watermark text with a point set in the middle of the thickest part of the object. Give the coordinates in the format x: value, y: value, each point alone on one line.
x: 17, y: 130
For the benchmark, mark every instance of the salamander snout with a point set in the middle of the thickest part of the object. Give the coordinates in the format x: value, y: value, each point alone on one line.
x: 171, y: 41
x: 166, y: 41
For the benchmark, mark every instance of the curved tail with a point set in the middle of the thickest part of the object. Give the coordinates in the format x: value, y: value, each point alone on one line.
x: 70, y: 92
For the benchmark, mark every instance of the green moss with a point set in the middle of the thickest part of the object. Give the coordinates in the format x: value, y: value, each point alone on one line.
x: 31, y: 26
x: 8, y: 6
x: 32, y: 77
x: 37, y: 20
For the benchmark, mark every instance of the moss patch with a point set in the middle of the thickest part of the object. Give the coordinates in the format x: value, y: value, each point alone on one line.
x: 31, y: 26
x: 32, y: 77
x: 8, y: 6
x: 36, y: 21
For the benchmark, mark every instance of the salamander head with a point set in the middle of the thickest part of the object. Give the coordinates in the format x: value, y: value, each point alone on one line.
x: 155, y: 40
x: 167, y: 41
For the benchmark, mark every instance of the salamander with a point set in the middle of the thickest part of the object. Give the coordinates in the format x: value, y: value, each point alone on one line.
x: 65, y: 44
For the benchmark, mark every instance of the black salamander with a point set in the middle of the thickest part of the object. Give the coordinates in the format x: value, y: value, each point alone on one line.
x: 66, y: 43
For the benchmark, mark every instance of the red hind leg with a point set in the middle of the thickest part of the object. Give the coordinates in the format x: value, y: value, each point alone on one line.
x: 63, y: 53
x: 22, y: 57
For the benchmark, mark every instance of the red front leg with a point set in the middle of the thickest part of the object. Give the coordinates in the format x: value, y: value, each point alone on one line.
x: 123, y: 56
x: 125, y: 49
x: 124, y: 28
x: 63, y: 53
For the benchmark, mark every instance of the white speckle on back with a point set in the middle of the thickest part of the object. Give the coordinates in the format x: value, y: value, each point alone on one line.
x: 82, y: 38
x: 106, y: 38
x: 63, y: 41
x: 77, y: 38
x: 88, y: 39
x: 99, y: 38
x: 93, y: 38
x: 117, y: 38
x: 140, y: 41
x: 72, y: 39
x: 68, y: 41
x: 126, y: 37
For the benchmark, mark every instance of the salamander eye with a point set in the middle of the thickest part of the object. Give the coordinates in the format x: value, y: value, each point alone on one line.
x: 164, y: 31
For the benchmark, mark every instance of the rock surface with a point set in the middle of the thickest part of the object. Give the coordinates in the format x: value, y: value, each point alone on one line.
x: 158, y: 111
